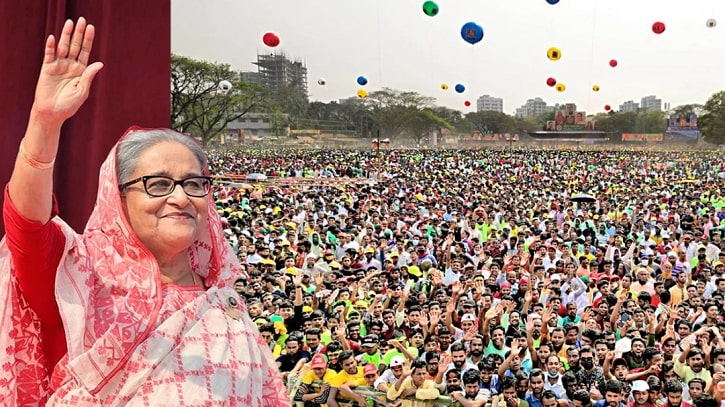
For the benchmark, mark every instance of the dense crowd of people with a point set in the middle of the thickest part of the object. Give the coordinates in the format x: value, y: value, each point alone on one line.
x: 506, y: 278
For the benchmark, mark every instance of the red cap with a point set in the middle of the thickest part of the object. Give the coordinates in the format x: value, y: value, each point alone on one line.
x: 370, y: 369
x: 318, y: 361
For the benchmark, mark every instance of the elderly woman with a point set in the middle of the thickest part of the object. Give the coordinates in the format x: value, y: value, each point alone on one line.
x: 139, y: 309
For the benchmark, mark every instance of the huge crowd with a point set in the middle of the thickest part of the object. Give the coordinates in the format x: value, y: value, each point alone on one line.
x: 532, y: 278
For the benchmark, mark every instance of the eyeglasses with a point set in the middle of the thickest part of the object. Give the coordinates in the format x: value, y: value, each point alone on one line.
x: 159, y: 185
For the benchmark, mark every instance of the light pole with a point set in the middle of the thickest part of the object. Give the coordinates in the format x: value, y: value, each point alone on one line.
x: 377, y: 155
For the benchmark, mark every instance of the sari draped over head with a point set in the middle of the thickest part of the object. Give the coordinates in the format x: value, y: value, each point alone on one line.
x: 131, y: 339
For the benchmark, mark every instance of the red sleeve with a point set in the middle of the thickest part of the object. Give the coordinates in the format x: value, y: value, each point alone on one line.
x: 36, y: 250
x: 354, y: 346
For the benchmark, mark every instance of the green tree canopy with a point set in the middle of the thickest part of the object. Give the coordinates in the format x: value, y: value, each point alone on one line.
x: 687, y: 110
x: 491, y: 122
x: 199, y: 107
x: 712, y: 121
x: 392, y: 110
x: 422, y: 122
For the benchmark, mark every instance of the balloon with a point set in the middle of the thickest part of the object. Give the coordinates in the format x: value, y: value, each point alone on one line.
x: 658, y: 27
x: 270, y: 39
x: 613, y: 63
x: 607, y: 107
x: 467, y: 103
x: 560, y: 87
x: 710, y: 23
x: 430, y: 8
x: 551, y: 82
x: 460, y: 88
x: 225, y: 86
x: 471, y: 32
x: 553, y: 53
x: 362, y: 93
x: 321, y: 82
x: 595, y: 88
x: 444, y: 86
x: 552, y: 2
x: 362, y: 81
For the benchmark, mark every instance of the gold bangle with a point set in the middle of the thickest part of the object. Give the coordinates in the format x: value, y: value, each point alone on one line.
x: 40, y: 165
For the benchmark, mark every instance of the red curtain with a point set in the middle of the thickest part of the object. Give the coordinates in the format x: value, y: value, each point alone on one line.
x: 133, y: 40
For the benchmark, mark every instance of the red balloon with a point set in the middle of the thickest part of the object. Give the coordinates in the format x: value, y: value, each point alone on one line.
x: 613, y: 63
x: 607, y: 107
x: 467, y: 103
x: 270, y: 39
x: 551, y: 82
x: 658, y: 27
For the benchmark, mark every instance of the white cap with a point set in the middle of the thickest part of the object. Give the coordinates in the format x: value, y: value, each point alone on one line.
x: 555, y: 277
x: 397, y: 361
x: 468, y: 317
x: 640, y: 385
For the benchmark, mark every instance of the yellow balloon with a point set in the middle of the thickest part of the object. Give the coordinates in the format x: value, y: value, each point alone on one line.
x: 444, y: 86
x: 553, y: 53
x: 362, y: 93
x: 560, y: 87
x: 595, y: 88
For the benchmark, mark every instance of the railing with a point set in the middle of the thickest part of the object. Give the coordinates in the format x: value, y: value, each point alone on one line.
x: 382, y: 400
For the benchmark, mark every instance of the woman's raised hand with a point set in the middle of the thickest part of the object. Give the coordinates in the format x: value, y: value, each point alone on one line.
x: 65, y: 76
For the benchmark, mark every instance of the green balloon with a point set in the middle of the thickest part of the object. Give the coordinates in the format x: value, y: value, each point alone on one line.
x: 430, y: 8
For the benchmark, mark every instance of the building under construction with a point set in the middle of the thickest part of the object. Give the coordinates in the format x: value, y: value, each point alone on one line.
x: 276, y: 70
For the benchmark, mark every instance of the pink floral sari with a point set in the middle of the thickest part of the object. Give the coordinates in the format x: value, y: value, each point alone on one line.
x: 131, y: 339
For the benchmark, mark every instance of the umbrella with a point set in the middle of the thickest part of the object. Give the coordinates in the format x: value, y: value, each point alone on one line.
x: 256, y: 176
x: 583, y: 198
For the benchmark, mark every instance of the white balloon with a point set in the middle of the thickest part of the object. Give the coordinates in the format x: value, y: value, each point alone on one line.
x: 225, y: 86
x: 321, y: 82
x: 711, y: 22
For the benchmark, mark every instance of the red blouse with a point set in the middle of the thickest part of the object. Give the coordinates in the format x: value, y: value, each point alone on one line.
x: 36, y: 250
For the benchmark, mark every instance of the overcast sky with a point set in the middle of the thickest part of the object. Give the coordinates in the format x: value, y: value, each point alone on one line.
x: 394, y: 44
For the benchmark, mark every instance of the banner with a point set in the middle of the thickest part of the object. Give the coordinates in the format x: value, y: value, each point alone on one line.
x: 569, y: 119
x: 675, y: 123
x: 644, y: 137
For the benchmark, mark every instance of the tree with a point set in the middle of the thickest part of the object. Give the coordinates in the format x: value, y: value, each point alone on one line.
x: 199, y: 107
x: 422, y: 122
x: 712, y: 121
x: 491, y: 122
x: 620, y: 122
x: 526, y: 125
x: 291, y: 100
x: 650, y: 122
x: 391, y: 110
x: 344, y: 117
x: 687, y: 110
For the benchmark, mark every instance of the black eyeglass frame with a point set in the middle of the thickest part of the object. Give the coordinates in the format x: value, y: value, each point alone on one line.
x: 144, y: 179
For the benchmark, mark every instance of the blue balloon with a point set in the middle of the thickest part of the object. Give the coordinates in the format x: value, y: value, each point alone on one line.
x: 362, y: 81
x: 460, y: 88
x: 471, y: 32
x: 552, y: 1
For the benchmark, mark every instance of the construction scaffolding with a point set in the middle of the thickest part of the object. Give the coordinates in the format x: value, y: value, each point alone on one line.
x: 276, y: 71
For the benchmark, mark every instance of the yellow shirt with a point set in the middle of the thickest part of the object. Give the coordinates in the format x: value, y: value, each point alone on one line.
x: 677, y: 295
x: 313, y: 383
x: 427, y: 391
x: 686, y: 373
x: 343, y: 377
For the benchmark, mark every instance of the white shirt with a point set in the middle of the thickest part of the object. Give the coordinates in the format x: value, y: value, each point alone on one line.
x: 387, y: 377
x: 557, y: 387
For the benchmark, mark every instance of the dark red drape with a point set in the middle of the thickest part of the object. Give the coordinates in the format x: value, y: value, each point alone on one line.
x: 133, y: 40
